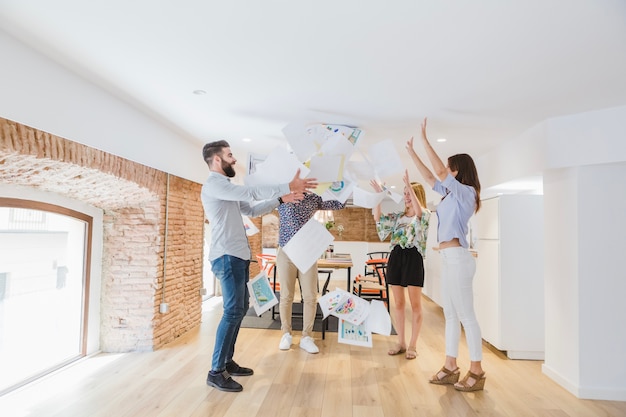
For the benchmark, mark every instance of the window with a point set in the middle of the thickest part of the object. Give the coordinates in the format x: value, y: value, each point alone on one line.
x: 44, y: 257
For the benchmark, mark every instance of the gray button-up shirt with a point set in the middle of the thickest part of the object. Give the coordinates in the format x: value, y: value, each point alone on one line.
x: 225, y: 202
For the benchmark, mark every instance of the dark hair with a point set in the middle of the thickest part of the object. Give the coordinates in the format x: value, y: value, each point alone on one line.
x: 467, y: 173
x: 213, y: 148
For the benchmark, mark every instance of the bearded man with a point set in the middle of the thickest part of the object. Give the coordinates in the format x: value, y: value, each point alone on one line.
x: 229, y: 254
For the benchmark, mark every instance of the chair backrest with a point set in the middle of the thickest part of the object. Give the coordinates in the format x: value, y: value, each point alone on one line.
x: 266, y: 266
x: 378, y: 255
x: 378, y: 267
x: 381, y: 271
x: 370, y: 264
x: 364, y: 289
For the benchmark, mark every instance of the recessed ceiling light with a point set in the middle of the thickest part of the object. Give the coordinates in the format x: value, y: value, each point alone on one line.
x: 441, y: 140
x: 199, y: 92
x: 247, y: 140
x: 392, y: 186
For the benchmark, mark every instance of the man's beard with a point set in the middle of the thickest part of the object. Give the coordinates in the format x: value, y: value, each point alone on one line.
x: 228, y: 169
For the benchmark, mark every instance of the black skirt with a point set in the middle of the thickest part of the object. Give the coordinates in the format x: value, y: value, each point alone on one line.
x: 405, y: 267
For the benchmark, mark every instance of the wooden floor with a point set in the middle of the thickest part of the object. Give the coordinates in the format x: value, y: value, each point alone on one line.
x: 341, y: 380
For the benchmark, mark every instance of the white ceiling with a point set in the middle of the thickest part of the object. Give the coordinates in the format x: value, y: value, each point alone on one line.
x: 482, y: 71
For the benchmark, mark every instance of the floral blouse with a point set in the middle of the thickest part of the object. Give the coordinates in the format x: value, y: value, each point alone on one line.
x: 405, y: 231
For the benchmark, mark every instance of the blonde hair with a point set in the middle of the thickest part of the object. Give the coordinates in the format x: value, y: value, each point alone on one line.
x: 419, y: 193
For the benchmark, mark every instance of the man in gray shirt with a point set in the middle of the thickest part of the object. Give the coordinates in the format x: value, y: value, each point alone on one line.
x: 224, y: 203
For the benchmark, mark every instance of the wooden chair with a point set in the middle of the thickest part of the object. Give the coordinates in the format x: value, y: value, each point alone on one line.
x: 319, y: 315
x: 373, y: 287
x: 374, y: 256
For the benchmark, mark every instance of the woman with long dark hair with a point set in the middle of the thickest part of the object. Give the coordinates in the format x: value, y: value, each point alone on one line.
x: 459, y: 185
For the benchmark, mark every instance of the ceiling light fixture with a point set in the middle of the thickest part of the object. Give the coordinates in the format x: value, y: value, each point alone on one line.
x: 246, y: 140
x: 199, y: 92
x: 441, y: 140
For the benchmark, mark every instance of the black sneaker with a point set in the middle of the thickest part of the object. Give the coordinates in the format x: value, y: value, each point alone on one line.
x: 234, y: 369
x: 223, y: 382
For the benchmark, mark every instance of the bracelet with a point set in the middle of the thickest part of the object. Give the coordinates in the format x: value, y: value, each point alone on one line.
x: 280, y: 200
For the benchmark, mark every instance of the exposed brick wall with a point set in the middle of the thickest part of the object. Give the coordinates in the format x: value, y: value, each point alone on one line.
x: 133, y: 199
x: 358, y: 223
x: 256, y: 246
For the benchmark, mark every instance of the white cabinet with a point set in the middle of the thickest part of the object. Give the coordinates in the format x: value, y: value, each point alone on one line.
x: 509, y: 284
x: 432, y: 264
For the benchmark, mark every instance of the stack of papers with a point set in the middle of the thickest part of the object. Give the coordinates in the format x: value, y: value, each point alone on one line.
x: 338, y: 260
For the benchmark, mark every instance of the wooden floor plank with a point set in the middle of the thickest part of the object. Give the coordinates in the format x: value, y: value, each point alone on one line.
x: 340, y: 380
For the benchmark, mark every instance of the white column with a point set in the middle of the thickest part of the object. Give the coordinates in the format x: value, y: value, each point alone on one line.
x: 585, y: 279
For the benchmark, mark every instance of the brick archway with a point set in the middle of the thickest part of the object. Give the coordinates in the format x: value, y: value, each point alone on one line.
x: 132, y: 197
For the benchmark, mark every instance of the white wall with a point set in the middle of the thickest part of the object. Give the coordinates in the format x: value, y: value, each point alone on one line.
x: 596, y: 137
x: 562, y: 350
x: 582, y: 160
x: 519, y: 157
x: 68, y: 106
x: 587, y: 138
x: 602, y: 280
x: 585, y: 279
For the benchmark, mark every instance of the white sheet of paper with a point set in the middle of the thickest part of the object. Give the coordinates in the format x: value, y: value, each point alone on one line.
x: 340, y: 191
x: 261, y: 293
x: 366, y: 199
x: 354, y: 334
x: 351, y: 134
x: 306, y: 246
x: 251, y: 229
x: 300, y: 140
x: 356, y: 136
x: 385, y: 158
x: 337, y: 144
x: 361, y: 170
x: 345, y: 306
x: 319, y: 133
x: 326, y: 168
x: 379, y: 320
x: 342, y: 130
x: 278, y: 168
x: 353, y: 309
x: 389, y: 193
x: 329, y: 301
x: 395, y: 196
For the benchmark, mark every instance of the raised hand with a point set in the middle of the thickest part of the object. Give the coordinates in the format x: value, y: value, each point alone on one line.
x: 376, y: 186
x: 424, y: 129
x: 409, y: 146
x: 301, y: 185
x: 406, y: 179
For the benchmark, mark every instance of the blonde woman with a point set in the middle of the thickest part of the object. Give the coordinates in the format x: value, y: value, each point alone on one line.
x: 405, y: 266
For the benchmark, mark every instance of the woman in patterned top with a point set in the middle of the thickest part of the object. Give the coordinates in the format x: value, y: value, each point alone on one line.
x: 292, y: 217
x: 405, y: 266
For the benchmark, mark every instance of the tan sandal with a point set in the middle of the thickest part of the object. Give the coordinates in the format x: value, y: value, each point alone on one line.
x: 450, y: 377
x: 479, y: 382
x: 396, y: 350
x: 411, y: 353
